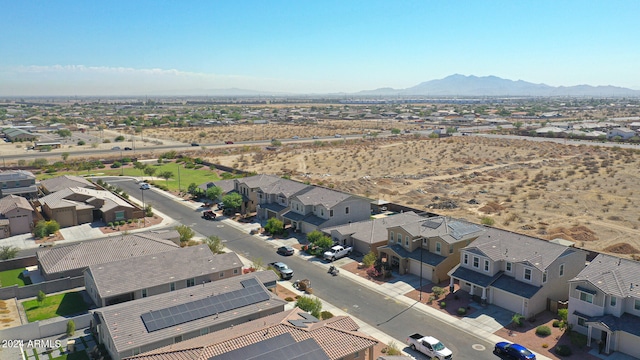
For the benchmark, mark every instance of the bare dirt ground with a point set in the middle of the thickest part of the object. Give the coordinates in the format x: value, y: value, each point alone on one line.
x: 9, y: 316
x: 544, y: 189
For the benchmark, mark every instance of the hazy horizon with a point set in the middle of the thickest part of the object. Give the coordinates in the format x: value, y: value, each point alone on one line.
x: 75, y: 48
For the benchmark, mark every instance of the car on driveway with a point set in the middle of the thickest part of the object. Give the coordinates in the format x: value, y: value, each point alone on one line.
x: 513, y: 351
x: 282, y: 269
x: 286, y: 250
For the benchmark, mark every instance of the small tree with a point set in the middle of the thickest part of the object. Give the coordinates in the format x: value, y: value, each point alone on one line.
x: 314, y: 236
x: 148, y: 211
x: 274, y: 226
x: 40, y: 230
x: 166, y: 175
x: 324, y: 242
x: 437, y: 291
x: 186, y: 233
x: 71, y: 328
x: 214, y: 243
x: 8, y: 252
x: 310, y: 305
x: 213, y: 193
x: 232, y: 201
x: 369, y: 259
x: 41, y: 297
x: 149, y: 170
x: 65, y: 156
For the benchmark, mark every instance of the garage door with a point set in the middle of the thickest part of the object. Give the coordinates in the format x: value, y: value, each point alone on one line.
x: 506, y: 300
x: 414, y: 268
x: 628, y: 343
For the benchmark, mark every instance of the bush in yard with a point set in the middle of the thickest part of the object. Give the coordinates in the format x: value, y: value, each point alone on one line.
x: 288, y: 298
x: 326, y: 315
x: 369, y: 259
x: 517, y: 319
x: 563, y: 350
x: 274, y: 226
x: 373, y: 273
x: 186, y: 233
x: 543, y: 330
x: 563, y: 314
x: 393, y: 349
x: 443, y: 304
x: 71, y: 328
x: 557, y: 323
x: 462, y: 311
x: 110, y: 224
x: 437, y: 291
x: 310, y: 305
x: 41, y: 297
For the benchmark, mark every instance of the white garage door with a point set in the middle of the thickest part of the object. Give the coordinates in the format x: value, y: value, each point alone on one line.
x: 414, y: 268
x: 628, y: 344
x: 506, y: 300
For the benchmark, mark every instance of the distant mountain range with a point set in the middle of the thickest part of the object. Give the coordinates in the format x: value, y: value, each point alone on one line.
x: 461, y: 85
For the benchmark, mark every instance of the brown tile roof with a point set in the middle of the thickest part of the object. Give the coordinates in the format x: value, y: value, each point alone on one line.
x: 65, y: 181
x: 338, y: 337
x: 11, y: 202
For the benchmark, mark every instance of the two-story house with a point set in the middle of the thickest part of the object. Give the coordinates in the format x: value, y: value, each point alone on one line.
x: 604, y: 304
x: 314, y: 208
x: 157, y: 273
x: 517, y: 272
x: 18, y: 182
x: 273, y: 199
x: 248, y: 187
x: 427, y: 247
x: 16, y: 216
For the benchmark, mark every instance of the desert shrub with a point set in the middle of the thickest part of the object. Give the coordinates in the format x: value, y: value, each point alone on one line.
x: 556, y: 323
x: 288, y: 298
x: 462, y: 311
x: 486, y: 220
x: 563, y: 350
x: 110, y: 224
x: 310, y: 305
x: 563, y: 314
x: 326, y: 315
x: 122, y: 222
x: 81, y: 142
x: 369, y: 259
x: 393, y: 349
x: 437, y: 291
x: 517, y: 319
x: 372, y: 272
x: 443, y: 304
x: 543, y: 330
x: 545, y: 345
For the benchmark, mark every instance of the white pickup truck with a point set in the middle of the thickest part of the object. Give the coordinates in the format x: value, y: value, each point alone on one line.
x: 429, y: 346
x: 337, y: 252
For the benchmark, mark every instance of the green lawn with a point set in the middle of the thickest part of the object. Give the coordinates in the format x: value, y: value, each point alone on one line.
x: 55, y: 305
x: 187, y: 176
x: 13, y: 277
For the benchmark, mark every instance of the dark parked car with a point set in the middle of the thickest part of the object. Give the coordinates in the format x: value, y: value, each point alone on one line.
x: 228, y: 142
x: 513, y: 351
x: 209, y: 215
x: 286, y: 250
x: 195, y: 144
x: 127, y: 149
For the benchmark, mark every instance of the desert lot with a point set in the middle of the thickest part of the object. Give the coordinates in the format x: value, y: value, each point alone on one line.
x: 543, y: 189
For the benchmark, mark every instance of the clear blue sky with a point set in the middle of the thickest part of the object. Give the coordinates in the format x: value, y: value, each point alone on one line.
x: 145, y: 47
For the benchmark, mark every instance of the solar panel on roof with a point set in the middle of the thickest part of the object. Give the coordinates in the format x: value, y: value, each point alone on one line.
x: 252, y: 293
x: 430, y: 224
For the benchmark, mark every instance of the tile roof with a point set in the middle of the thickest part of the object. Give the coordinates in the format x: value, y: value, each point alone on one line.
x: 128, y: 331
x: 83, y: 254
x: 225, y: 185
x: 445, y: 228
x: 11, y: 202
x: 65, y: 181
x: 373, y: 231
x: 338, y: 337
x: 314, y: 195
x: 258, y: 180
x: 161, y: 268
x: 613, y: 275
x: 499, y: 244
x: 14, y: 175
x: 79, y: 197
x: 283, y: 187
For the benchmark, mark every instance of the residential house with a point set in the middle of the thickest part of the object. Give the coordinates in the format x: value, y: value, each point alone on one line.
x: 16, y: 216
x: 142, y: 325
x: 158, y: 273
x: 604, y: 304
x: 368, y: 235
x: 427, y: 247
x: 517, y: 272
x: 70, y: 260
x: 620, y: 132
x: 248, y: 187
x: 52, y: 185
x: 226, y: 185
x: 18, y: 182
x: 77, y: 205
x: 314, y: 208
x: 291, y: 334
x: 273, y: 198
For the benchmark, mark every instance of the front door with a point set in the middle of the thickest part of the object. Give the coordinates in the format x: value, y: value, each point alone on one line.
x: 603, y: 346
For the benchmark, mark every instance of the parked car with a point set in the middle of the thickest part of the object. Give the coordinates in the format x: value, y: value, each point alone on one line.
x: 286, y: 250
x: 195, y: 144
x: 145, y: 186
x: 228, y: 142
x: 209, y: 215
x: 295, y: 137
x: 115, y: 148
x: 429, y: 346
x: 315, y: 137
x: 337, y: 135
x: 513, y: 351
x: 127, y: 149
x: 282, y: 269
x: 337, y: 252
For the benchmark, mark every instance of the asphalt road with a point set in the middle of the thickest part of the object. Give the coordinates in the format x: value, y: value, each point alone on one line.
x: 391, y: 317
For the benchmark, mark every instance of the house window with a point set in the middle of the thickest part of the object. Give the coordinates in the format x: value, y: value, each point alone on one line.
x: 172, y: 287
x: 235, y: 271
x: 321, y: 212
x: 508, y: 267
x: 561, y: 272
x: 586, y: 297
x: 391, y: 237
x: 527, y: 274
x: 406, y: 241
x: 119, y: 215
x: 399, y: 239
x: 486, y: 265
x: 144, y: 293
x: 476, y: 262
x: 613, y: 301
x: 544, y: 277
x: 191, y: 282
x: 346, y: 210
x: 437, y: 248
x: 204, y: 331
x: 636, y: 305
x: 466, y: 259
x: 450, y: 249
x: 581, y: 321
x: 221, y: 274
x: 330, y: 213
